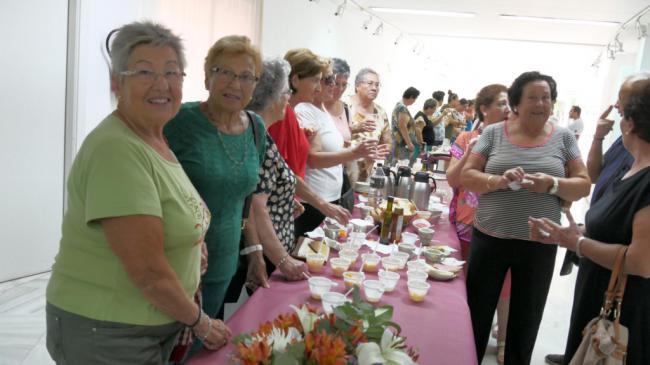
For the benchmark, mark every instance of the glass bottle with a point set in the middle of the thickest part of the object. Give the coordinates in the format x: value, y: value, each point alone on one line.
x: 384, y: 235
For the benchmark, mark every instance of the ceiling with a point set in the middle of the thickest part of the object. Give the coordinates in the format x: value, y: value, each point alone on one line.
x: 487, y: 23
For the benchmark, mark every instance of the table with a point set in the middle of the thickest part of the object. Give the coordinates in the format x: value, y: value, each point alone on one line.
x: 440, y: 327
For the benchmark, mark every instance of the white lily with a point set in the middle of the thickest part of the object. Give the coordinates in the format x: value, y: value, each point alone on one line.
x: 307, y: 318
x: 369, y: 353
x: 279, y: 340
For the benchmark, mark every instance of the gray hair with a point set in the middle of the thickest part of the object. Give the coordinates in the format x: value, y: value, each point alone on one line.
x: 133, y: 34
x: 362, y: 73
x: 274, y: 77
x: 340, y: 67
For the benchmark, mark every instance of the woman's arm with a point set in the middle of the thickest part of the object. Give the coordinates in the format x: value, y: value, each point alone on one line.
x: 637, y: 259
x: 137, y: 240
x: 419, y: 126
x: 456, y: 165
x: 473, y: 178
x: 329, y: 210
x: 318, y: 159
x: 273, y: 248
x: 571, y: 188
x: 403, y: 120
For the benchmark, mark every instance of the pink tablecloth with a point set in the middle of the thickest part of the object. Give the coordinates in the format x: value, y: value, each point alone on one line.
x: 440, y: 327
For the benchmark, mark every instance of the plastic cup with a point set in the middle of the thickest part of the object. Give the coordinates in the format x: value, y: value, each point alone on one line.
x: 417, y: 275
x: 409, y: 238
x: 370, y: 262
x: 389, y: 279
x: 426, y: 235
x: 349, y: 255
x: 391, y: 263
x: 352, y: 278
x: 417, y: 265
x: 408, y: 248
x: 339, y: 265
x: 418, y: 290
x: 332, y: 299
x: 402, y: 256
x: 315, y: 262
x: 319, y: 285
x: 373, y: 290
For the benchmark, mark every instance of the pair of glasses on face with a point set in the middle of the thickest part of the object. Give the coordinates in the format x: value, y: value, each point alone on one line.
x: 227, y: 76
x: 148, y: 76
x: 371, y: 83
x: 328, y: 80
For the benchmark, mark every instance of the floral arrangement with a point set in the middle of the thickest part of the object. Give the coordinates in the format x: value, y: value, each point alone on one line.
x: 356, y: 333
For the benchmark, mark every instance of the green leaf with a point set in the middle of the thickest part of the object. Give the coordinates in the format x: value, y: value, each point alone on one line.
x: 297, y: 350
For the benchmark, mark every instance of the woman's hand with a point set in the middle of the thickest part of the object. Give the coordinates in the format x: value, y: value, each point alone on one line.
x: 545, y: 230
x: 298, y: 209
x: 218, y: 334
x: 293, y: 269
x: 604, y: 125
x: 537, y: 182
x: 380, y: 152
x: 514, y: 175
x: 336, y: 212
x: 365, y: 148
x: 256, y: 274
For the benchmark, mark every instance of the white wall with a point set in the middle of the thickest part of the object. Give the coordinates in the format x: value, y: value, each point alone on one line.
x: 463, y: 65
x: 32, y: 102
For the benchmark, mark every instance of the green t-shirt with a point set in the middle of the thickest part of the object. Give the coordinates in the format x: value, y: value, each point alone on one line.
x: 117, y: 174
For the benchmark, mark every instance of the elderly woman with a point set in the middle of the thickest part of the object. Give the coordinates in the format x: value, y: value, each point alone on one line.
x: 338, y: 110
x: 491, y: 107
x: 405, y: 144
x: 522, y: 168
x: 128, y: 263
x: 220, y: 147
x: 619, y: 218
x: 324, y: 173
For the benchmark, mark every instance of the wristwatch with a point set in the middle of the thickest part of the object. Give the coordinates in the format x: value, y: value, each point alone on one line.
x: 554, y: 188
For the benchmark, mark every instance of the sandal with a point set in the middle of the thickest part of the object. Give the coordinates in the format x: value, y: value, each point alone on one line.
x: 501, y: 351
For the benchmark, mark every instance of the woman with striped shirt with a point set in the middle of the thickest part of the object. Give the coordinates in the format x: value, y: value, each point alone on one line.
x: 523, y: 167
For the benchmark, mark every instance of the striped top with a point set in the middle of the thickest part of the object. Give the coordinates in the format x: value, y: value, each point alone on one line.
x: 504, y: 213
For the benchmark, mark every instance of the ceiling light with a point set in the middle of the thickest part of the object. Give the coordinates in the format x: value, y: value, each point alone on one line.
x: 610, y: 52
x: 398, y: 39
x: 641, y: 29
x: 341, y: 8
x: 379, y: 30
x: 453, y: 14
x: 366, y: 23
x: 560, y: 20
x: 618, y: 44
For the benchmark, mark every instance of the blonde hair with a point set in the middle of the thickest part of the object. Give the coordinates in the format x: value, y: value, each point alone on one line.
x: 232, y: 45
x: 305, y: 63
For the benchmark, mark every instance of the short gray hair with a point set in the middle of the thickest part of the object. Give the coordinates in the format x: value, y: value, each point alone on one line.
x: 340, y: 67
x: 362, y: 73
x: 274, y: 77
x: 133, y: 34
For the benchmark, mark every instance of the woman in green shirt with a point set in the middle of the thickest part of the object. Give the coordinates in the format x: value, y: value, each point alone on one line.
x: 128, y: 263
x: 406, y: 145
x: 215, y: 141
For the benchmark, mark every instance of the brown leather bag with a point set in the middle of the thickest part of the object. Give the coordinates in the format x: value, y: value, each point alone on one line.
x: 604, y: 341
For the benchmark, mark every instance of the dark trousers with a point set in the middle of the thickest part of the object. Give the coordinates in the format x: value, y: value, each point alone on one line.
x: 531, y: 266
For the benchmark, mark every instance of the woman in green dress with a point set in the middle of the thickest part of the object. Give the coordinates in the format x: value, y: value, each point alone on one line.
x: 215, y: 141
x: 405, y: 143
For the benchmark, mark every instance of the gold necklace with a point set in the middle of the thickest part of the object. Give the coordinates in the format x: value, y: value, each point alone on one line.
x: 238, y: 164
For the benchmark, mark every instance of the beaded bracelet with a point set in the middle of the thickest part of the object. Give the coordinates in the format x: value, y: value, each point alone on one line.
x: 283, y: 260
x: 207, y: 333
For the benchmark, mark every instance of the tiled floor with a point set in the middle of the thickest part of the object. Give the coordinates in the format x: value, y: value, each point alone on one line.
x: 22, y: 320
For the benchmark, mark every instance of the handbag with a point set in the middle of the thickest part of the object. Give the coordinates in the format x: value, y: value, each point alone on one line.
x: 604, y: 341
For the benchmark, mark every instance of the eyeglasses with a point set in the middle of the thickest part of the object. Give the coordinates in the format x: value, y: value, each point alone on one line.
x: 342, y: 85
x: 149, y: 77
x: 328, y: 80
x: 371, y: 83
x: 227, y: 76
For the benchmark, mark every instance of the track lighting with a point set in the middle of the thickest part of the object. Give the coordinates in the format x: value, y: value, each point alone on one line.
x: 641, y: 29
x: 398, y: 39
x: 341, y: 8
x: 618, y: 44
x: 379, y: 30
x: 611, y: 54
x: 366, y: 23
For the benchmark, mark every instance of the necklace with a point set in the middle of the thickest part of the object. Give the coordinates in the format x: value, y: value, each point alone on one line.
x: 238, y: 164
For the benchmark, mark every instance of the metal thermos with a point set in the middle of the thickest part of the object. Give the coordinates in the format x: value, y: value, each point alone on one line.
x: 403, y: 182
x: 391, y: 181
x: 422, y: 190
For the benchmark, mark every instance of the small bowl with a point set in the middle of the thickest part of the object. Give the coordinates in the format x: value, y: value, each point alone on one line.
x: 332, y: 299
x: 432, y: 255
x: 408, y: 248
x: 418, y: 290
x: 339, y: 265
x: 409, y: 238
x: 370, y: 262
x: 319, y: 285
x: 418, y: 275
x: 426, y: 235
x: 373, y: 290
x: 391, y: 263
x: 389, y: 279
x: 352, y: 278
x: 331, y: 233
x: 435, y: 214
x: 315, y: 262
x: 417, y: 265
x: 349, y: 255
x: 421, y: 223
x: 403, y: 257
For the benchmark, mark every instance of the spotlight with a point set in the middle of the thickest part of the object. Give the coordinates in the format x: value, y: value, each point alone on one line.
x: 366, y: 23
x: 398, y: 39
x: 341, y: 8
x: 618, y: 44
x: 379, y: 30
x: 596, y: 63
x: 641, y: 30
x: 611, y: 54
